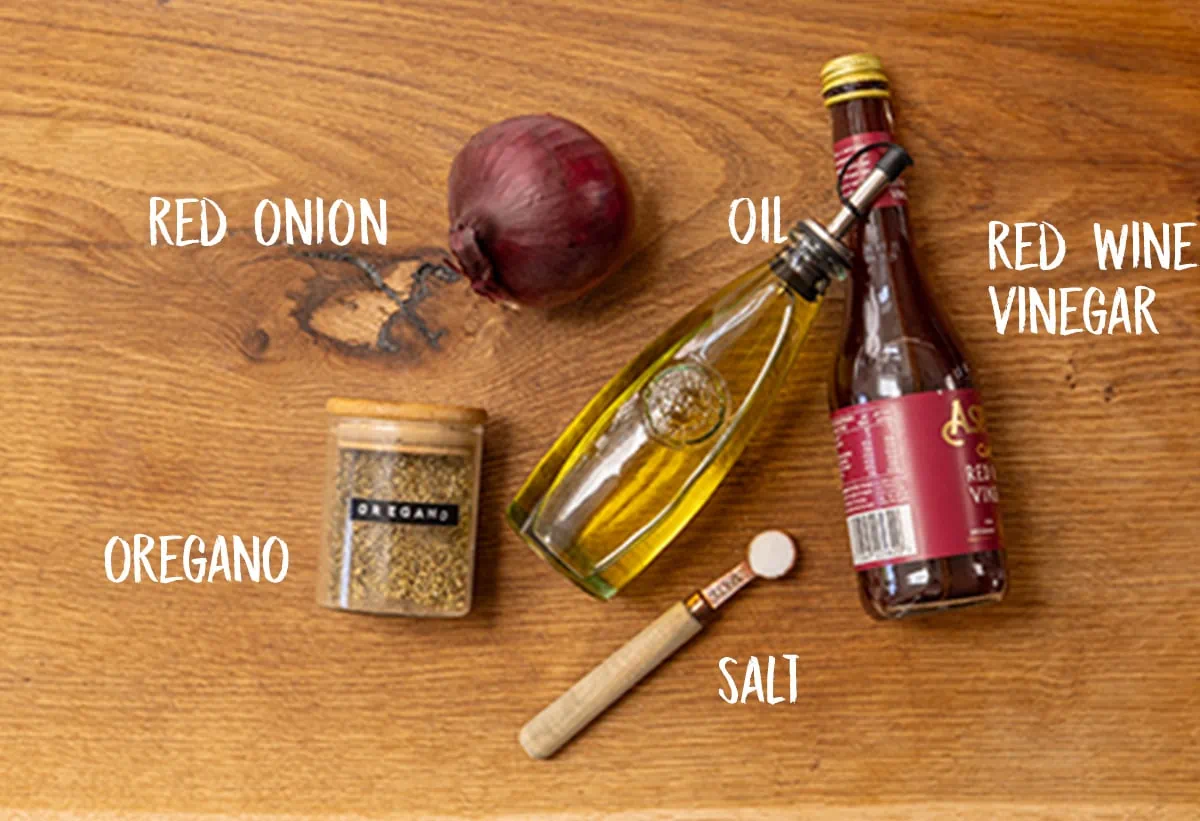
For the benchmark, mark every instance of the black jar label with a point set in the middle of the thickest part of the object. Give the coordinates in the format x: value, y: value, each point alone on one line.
x: 403, y: 513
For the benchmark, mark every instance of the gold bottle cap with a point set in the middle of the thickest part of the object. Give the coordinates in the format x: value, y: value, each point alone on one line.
x: 851, y: 69
x: 341, y: 406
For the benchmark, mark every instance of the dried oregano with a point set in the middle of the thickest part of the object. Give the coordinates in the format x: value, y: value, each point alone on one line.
x: 407, y: 555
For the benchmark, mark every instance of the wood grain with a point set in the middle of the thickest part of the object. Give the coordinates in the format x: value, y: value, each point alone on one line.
x: 180, y: 390
x: 559, y: 722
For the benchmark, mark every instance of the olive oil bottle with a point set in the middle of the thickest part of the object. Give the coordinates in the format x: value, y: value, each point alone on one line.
x: 648, y: 451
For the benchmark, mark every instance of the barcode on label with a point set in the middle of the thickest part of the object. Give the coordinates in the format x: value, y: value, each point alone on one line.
x: 882, y: 535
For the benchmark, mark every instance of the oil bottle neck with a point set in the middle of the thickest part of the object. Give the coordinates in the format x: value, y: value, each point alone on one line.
x: 816, y: 253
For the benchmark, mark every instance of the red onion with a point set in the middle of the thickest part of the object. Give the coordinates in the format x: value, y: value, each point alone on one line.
x: 539, y: 211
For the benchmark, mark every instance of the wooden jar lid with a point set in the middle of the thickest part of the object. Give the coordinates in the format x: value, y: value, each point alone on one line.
x: 409, y: 411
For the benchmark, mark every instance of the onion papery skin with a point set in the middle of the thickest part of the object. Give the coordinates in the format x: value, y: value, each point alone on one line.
x: 540, y: 212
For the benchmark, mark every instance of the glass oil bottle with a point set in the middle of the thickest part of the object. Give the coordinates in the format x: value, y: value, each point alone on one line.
x: 649, y: 450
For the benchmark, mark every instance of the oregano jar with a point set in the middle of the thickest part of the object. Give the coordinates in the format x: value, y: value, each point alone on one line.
x: 401, y: 508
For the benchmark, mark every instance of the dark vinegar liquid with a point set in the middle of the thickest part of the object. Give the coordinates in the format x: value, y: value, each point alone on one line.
x: 896, y: 342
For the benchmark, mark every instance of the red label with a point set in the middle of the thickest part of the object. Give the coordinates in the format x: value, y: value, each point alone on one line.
x: 918, y: 478
x: 844, y: 149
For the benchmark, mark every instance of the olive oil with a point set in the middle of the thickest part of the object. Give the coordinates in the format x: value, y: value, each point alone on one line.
x: 648, y: 451
x: 646, y: 454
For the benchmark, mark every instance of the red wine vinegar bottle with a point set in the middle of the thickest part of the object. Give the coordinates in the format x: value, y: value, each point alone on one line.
x: 922, y: 506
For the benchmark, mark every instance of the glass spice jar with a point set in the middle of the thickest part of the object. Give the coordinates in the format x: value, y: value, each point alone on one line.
x: 401, y: 508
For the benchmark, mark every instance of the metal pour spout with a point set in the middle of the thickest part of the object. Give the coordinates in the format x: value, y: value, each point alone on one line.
x: 817, y: 253
x: 890, y: 166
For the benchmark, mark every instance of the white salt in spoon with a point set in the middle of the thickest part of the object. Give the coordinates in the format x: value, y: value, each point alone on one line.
x: 771, y: 555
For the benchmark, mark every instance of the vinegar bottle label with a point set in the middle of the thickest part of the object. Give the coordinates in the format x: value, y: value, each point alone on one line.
x: 917, y: 477
x: 845, y: 148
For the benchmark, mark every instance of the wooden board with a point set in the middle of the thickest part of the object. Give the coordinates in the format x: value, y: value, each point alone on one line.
x: 180, y: 390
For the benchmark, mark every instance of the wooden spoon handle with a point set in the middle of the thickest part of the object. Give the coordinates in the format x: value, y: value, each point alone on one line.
x: 573, y: 710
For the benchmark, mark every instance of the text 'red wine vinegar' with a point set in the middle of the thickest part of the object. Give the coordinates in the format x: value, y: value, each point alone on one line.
x: 922, y: 506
